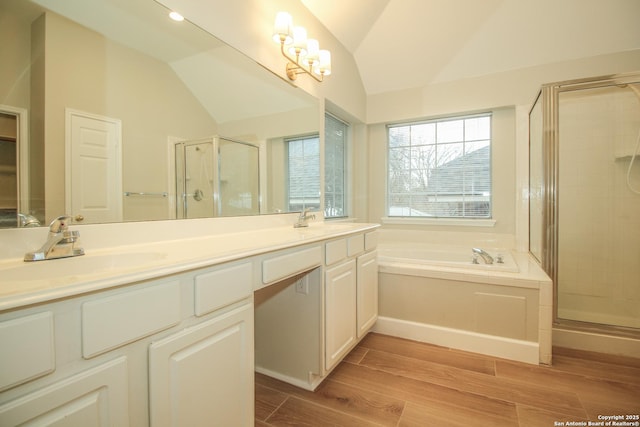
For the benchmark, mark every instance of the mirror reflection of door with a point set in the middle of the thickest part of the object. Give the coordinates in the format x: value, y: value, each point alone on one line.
x: 94, y: 173
x: 8, y: 170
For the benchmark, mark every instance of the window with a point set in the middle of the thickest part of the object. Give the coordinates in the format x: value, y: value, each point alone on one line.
x: 303, y: 156
x: 336, y: 132
x: 440, y: 168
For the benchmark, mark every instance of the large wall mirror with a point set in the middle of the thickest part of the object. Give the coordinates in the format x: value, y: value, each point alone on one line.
x: 111, y: 111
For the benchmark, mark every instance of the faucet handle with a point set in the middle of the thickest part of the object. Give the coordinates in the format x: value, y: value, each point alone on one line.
x: 305, y: 213
x: 60, y: 224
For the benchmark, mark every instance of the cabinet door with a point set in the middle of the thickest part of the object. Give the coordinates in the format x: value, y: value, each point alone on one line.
x: 340, y: 314
x: 97, y: 397
x: 367, y: 292
x: 203, y: 375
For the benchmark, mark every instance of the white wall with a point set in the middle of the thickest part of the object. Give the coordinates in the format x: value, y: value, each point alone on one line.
x: 247, y: 25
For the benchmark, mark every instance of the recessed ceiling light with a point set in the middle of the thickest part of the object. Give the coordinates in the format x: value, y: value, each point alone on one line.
x: 176, y: 16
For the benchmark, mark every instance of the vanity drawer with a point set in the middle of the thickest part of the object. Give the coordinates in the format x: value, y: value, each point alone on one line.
x: 28, y: 349
x: 335, y: 251
x: 355, y: 245
x: 116, y: 320
x: 222, y: 287
x: 371, y: 241
x: 287, y: 265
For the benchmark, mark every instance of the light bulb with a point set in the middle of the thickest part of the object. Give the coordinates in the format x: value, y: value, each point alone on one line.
x: 282, y: 28
x: 313, y: 52
x: 299, y: 42
x: 324, y: 63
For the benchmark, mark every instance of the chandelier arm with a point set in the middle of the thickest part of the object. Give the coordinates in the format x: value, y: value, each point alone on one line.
x: 294, y: 67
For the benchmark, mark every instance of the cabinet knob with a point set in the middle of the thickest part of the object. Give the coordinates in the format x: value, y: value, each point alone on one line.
x: 78, y: 218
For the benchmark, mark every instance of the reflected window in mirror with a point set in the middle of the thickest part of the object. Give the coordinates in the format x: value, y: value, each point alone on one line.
x: 303, y: 161
x: 335, y: 172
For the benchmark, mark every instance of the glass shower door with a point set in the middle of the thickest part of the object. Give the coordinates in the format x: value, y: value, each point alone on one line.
x: 195, y: 178
x: 598, y: 212
x: 217, y: 177
x: 239, y: 192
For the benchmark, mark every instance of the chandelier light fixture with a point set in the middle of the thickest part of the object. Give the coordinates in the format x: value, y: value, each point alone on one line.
x: 304, y: 54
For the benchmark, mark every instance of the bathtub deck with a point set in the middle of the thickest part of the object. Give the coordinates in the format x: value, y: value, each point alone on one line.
x: 396, y: 382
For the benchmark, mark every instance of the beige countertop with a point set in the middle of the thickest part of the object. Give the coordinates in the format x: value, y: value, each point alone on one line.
x: 25, y: 283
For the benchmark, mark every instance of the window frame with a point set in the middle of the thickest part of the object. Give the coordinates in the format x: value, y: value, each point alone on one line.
x: 345, y: 169
x: 470, y: 220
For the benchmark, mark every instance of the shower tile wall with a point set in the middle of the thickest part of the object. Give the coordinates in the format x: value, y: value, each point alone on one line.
x: 599, y: 217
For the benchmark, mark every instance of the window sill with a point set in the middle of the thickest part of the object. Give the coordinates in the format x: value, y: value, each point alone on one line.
x: 440, y: 221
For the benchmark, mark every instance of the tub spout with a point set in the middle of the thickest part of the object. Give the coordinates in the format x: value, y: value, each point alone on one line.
x: 488, y: 259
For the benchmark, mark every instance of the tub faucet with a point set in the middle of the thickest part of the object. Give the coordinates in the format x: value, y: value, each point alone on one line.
x: 303, y: 219
x: 488, y: 259
x: 60, y: 242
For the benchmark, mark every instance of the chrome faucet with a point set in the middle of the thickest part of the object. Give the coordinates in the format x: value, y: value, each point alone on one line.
x: 488, y: 259
x: 303, y: 219
x: 60, y: 242
x: 26, y: 220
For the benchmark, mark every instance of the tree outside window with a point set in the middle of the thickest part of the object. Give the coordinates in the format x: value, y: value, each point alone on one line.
x: 440, y: 168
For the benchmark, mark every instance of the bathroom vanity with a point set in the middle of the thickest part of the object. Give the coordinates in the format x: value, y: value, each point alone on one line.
x: 162, y: 333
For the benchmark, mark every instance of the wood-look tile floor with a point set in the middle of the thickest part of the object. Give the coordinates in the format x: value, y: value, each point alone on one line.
x: 387, y: 381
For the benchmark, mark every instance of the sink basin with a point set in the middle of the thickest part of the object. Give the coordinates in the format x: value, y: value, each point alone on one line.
x: 77, y: 266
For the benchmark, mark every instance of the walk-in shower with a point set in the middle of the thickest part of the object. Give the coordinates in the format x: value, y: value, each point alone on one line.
x: 585, y: 206
x: 216, y: 177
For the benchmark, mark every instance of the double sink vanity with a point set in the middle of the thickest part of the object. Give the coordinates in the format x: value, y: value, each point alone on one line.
x: 169, y: 331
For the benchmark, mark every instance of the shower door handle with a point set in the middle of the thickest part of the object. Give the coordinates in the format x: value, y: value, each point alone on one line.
x: 197, y: 195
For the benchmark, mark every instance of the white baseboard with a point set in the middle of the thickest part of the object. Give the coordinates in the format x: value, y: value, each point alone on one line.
x: 311, y: 386
x: 507, y: 348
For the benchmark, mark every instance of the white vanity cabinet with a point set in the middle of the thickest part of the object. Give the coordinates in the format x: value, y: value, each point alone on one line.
x: 325, y: 301
x: 351, y: 293
x: 367, y: 292
x: 340, y: 312
x: 178, y: 346
x: 173, y: 351
x: 203, y: 375
x: 94, y: 397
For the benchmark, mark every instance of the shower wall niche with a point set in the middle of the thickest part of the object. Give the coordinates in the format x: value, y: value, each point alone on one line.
x: 216, y: 177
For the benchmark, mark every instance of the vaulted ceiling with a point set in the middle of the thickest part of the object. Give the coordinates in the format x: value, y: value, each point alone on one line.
x: 401, y: 44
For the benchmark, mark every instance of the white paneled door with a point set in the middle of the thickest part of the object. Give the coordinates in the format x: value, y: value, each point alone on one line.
x: 94, y: 167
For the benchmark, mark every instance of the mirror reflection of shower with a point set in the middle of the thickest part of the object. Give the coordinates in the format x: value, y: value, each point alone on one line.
x: 216, y: 177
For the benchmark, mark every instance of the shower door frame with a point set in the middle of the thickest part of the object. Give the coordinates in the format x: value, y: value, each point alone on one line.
x: 181, y: 196
x: 181, y: 205
x: 549, y: 96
